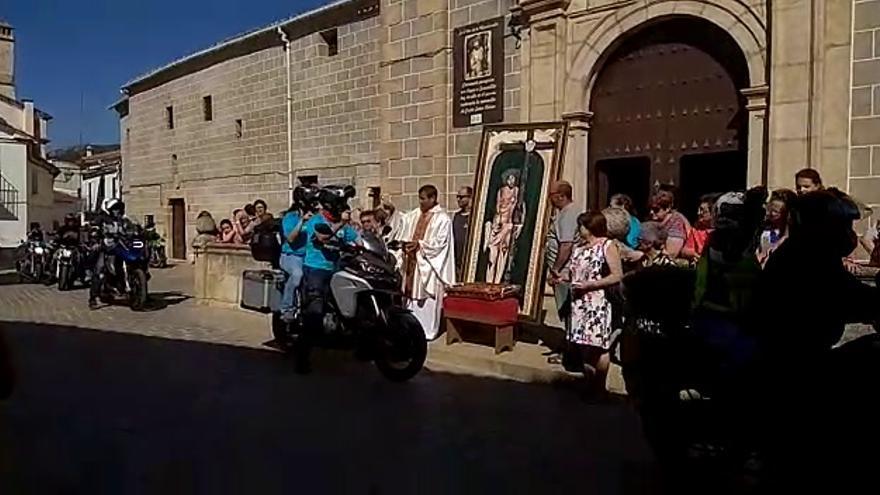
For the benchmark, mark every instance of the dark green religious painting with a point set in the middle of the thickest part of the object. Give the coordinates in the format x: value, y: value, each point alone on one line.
x: 512, y: 209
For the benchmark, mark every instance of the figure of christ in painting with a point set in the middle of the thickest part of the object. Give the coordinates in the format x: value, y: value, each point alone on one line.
x: 504, y: 229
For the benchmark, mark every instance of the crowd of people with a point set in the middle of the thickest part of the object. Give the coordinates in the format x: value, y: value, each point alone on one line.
x: 589, y: 255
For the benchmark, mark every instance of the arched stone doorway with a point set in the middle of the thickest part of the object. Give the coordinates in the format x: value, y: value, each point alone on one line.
x: 667, y: 108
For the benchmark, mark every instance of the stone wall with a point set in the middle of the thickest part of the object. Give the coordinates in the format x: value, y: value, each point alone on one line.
x: 218, y: 270
x: 419, y: 144
x: 809, y: 90
x: 864, y: 165
x: 241, y: 154
x: 336, y: 107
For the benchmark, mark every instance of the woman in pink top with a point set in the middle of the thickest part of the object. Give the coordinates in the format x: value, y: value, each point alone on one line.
x: 699, y: 235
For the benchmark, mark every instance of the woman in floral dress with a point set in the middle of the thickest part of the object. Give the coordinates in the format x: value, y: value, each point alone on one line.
x: 594, y: 266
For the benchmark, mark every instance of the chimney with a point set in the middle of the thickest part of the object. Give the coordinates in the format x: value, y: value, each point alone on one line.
x: 29, y: 116
x: 7, y: 60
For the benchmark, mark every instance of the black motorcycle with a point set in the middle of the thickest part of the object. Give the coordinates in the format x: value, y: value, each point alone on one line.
x: 365, y: 311
x: 34, y: 259
x: 68, y: 263
x: 127, y: 269
x: 156, y: 247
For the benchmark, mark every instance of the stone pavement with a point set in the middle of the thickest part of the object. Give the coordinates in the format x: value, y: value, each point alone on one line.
x: 175, y: 315
x: 185, y: 399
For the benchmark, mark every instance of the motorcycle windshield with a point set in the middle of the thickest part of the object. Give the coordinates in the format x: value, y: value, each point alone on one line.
x: 374, y: 244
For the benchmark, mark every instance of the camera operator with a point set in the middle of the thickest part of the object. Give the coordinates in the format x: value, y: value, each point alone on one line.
x: 321, y: 260
x: 293, y: 248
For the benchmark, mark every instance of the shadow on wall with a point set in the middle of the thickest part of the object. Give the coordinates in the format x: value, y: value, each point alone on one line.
x: 104, y: 412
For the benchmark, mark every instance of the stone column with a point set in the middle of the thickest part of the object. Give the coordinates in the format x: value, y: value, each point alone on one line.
x: 543, y: 59
x: 576, y: 169
x: 756, y: 105
x: 415, y: 89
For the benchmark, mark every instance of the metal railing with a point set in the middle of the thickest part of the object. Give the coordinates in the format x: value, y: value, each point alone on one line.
x: 9, y: 200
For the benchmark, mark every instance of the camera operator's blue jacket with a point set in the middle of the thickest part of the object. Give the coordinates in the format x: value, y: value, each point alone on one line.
x: 288, y: 223
x: 319, y: 258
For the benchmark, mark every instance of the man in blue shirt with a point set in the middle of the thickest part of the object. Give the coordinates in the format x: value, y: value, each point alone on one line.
x: 320, y: 263
x: 293, y: 252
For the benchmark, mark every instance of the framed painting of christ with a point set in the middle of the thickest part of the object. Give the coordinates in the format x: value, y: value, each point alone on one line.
x: 511, y: 209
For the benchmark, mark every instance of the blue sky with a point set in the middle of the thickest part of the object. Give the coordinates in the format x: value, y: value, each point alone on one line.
x: 68, y: 48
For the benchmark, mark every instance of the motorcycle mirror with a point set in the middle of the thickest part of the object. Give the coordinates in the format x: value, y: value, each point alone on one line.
x: 323, y: 229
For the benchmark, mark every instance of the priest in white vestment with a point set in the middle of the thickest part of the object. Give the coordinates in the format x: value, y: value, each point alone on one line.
x: 429, y: 259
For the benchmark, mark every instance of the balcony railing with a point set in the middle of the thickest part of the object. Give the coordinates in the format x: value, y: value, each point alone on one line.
x: 10, y: 200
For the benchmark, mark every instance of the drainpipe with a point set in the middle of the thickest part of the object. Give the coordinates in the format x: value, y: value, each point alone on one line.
x: 286, y: 41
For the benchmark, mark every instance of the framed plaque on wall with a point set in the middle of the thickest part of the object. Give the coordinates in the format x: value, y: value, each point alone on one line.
x: 478, y: 73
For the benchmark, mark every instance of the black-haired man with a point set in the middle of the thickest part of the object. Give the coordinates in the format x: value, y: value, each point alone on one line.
x: 429, y: 264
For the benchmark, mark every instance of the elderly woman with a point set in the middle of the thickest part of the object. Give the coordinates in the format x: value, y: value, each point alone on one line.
x: 619, y: 229
x: 626, y: 202
x: 676, y: 225
x: 652, y: 241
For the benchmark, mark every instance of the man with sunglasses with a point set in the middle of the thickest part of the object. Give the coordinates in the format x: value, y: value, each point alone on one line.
x: 460, y: 227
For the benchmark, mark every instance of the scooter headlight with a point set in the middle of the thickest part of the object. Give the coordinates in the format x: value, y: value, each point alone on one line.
x: 39, y: 250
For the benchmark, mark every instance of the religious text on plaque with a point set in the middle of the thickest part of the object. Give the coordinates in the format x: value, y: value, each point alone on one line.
x: 478, y: 72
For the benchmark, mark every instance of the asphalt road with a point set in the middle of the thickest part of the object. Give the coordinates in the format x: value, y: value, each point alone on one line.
x: 183, y: 400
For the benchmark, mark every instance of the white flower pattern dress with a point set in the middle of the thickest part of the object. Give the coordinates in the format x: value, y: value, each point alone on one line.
x: 590, y: 311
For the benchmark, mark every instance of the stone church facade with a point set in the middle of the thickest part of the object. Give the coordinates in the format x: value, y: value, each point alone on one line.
x: 703, y: 94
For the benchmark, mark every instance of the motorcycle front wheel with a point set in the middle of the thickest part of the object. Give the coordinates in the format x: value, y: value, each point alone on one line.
x: 38, y: 272
x: 137, y: 281
x: 65, y: 278
x: 402, y: 348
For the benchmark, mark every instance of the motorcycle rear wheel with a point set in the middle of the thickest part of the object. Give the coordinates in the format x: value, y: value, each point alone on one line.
x: 137, y: 280
x: 402, y: 349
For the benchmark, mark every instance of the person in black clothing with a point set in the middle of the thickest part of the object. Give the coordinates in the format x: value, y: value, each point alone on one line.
x: 69, y: 232
x: 460, y: 221
x: 35, y: 234
x: 812, y: 393
x: 110, y: 223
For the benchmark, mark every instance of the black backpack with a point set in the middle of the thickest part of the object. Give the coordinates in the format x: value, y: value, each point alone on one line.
x: 265, y: 243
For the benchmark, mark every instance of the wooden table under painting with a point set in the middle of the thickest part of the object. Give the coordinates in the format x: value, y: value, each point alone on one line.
x: 487, y: 305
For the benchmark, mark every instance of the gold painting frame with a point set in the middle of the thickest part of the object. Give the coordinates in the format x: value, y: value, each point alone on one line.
x: 500, y: 148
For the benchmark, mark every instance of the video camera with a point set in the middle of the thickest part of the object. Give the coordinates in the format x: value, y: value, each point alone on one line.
x: 334, y: 198
x: 306, y: 199
x: 313, y: 198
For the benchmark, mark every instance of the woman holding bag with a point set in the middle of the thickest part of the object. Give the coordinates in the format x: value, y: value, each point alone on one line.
x: 595, y: 267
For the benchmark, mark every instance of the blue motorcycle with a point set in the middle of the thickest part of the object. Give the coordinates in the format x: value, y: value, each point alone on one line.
x: 128, y: 274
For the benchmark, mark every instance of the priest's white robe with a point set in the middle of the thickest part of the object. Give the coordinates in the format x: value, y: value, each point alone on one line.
x: 435, y: 267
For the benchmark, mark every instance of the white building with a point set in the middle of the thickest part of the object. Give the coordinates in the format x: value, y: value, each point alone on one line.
x: 26, y: 177
x: 100, y: 178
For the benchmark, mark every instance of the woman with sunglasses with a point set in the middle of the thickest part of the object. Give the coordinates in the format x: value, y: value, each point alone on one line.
x: 673, y: 222
x: 699, y: 235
